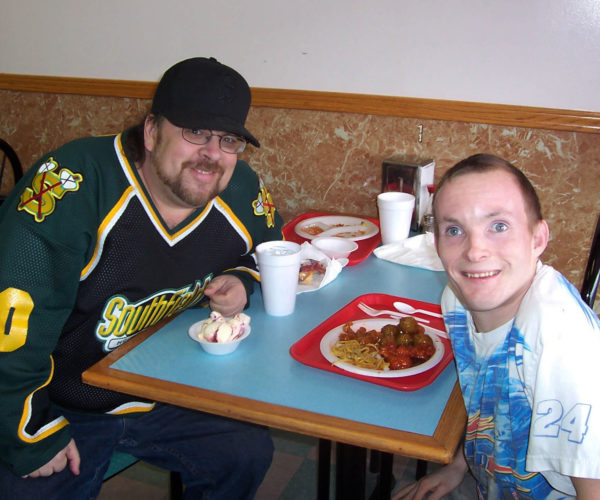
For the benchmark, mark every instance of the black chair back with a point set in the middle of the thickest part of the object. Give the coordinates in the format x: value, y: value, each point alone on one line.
x: 592, y: 271
x: 8, y: 159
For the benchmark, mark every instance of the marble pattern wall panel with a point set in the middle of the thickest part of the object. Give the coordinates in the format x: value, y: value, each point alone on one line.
x: 325, y: 161
x: 332, y: 162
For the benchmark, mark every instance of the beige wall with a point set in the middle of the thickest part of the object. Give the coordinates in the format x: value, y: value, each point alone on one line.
x: 529, y: 53
x: 326, y: 161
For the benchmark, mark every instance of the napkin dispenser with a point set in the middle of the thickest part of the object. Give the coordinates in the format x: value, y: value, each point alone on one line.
x: 409, y: 175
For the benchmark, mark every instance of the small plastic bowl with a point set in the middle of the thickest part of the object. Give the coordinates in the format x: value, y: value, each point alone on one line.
x: 334, y: 247
x: 217, y: 348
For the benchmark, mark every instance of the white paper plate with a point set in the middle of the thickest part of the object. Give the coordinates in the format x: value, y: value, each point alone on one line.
x: 359, y: 229
x: 331, y: 337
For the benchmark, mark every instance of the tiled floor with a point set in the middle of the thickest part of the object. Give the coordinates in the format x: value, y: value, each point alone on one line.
x: 292, y: 475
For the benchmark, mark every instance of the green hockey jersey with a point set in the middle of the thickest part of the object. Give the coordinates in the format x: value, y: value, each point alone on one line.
x: 86, y: 262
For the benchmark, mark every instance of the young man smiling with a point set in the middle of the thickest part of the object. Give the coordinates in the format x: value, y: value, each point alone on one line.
x: 102, y: 238
x: 525, y: 344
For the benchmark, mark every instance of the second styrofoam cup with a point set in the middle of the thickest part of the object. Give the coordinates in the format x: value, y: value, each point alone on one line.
x: 395, y: 215
x: 278, y: 265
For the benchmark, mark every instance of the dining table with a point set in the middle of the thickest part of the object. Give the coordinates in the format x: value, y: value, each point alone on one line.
x: 275, y: 378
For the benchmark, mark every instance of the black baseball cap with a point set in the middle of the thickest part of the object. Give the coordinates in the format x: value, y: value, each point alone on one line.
x: 202, y: 93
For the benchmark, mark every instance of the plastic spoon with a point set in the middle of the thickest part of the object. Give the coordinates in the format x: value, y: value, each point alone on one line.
x: 408, y: 309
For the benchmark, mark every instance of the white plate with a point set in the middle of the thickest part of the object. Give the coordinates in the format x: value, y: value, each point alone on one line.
x: 331, y: 337
x: 329, y: 222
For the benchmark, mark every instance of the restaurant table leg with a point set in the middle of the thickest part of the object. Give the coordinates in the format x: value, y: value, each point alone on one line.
x: 375, y: 461
x: 350, y: 472
x: 383, y: 488
x: 323, y: 469
x: 421, y: 469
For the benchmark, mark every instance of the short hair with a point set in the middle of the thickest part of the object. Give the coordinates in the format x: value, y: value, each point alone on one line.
x: 482, y: 163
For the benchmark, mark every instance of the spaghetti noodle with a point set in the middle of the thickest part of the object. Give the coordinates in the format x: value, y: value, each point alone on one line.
x: 365, y: 356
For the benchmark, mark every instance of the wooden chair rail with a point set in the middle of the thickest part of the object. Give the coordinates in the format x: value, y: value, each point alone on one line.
x: 426, y: 109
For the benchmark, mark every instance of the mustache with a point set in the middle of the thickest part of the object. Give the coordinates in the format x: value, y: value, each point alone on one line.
x: 205, y: 165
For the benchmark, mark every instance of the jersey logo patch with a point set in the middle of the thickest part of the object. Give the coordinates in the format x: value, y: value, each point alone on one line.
x: 263, y: 205
x: 122, y: 319
x: 48, y: 185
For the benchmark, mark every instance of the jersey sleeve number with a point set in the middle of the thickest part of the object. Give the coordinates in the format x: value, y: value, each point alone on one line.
x: 551, y: 419
x: 15, y: 309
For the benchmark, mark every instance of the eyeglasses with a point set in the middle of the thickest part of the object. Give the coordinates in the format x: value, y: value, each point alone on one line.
x: 227, y: 143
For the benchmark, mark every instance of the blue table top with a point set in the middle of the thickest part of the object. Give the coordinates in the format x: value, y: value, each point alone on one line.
x: 262, y: 368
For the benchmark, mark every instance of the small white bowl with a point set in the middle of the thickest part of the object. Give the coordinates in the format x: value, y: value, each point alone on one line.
x: 334, y: 247
x: 218, y: 348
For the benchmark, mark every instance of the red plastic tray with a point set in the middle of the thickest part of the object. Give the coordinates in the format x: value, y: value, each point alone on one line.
x: 307, y: 349
x: 365, y: 247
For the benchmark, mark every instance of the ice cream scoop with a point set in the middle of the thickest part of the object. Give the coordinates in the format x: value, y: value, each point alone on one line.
x: 218, y: 328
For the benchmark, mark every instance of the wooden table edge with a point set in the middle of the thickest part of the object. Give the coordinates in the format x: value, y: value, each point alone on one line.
x: 437, y: 448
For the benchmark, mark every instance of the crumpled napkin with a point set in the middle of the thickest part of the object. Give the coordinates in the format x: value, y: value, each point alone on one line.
x: 418, y: 251
x: 333, y: 267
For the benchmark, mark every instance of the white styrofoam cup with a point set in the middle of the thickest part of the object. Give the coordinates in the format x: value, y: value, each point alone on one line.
x: 395, y: 215
x: 278, y: 265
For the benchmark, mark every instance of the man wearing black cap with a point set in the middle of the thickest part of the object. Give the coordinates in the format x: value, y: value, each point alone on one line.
x: 102, y: 238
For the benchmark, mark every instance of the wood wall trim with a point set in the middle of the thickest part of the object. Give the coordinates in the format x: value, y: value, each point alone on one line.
x: 426, y: 109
